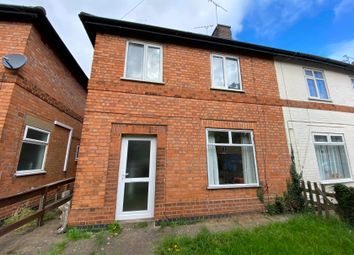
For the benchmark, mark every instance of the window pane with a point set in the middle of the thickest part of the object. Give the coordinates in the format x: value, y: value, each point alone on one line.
x: 322, y: 89
x: 336, y: 138
x: 352, y: 81
x: 218, y: 137
x: 218, y: 73
x: 36, y: 135
x: 332, y: 162
x: 232, y: 76
x: 135, y: 196
x: 312, y: 89
x: 308, y: 72
x: 153, y: 63
x: 318, y: 75
x: 321, y: 138
x: 138, y: 159
x: 31, y: 157
x: 135, y: 59
x: 235, y: 165
x: 241, y: 138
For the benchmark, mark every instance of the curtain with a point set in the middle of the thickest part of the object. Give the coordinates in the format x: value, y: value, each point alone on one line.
x: 213, y: 168
x: 249, y: 173
x: 332, y: 162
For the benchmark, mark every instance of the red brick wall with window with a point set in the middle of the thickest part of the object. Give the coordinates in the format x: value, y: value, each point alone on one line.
x: 177, y: 113
x: 45, y: 89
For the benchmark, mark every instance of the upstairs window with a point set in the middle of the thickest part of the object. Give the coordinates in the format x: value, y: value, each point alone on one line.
x: 352, y: 80
x: 33, y: 151
x: 143, y: 62
x: 231, y: 158
x: 226, y: 73
x: 331, y: 157
x: 316, y: 84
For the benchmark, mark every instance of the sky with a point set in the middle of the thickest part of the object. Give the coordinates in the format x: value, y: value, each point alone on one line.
x: 319, y: 27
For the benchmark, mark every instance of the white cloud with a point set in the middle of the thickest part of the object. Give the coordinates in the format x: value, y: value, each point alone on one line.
x: 338, y: 50
x: 177, y: 14
x: 345, y: 7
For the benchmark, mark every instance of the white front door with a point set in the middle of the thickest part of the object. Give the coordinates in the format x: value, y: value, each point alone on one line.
x: 136, y: 179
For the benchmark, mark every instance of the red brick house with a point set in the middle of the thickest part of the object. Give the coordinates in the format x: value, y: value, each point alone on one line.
x: 41, y: 104
x: 176, y: 125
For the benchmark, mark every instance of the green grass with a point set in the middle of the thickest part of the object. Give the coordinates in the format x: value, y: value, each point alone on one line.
x: 140, y: 225
x: 178, y: 222
x: 57, y: 249
x: 303, y: 234
x: 75, y: 234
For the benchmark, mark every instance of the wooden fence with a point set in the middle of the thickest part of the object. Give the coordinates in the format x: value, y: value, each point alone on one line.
x: 44, y: 206
x: 318, y: 198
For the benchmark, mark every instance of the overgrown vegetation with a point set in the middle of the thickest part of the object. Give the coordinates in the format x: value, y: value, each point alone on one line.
x: 178, y: 222
x: 115, y: 228
x: 345, y: 197
x: 75, y: 234
x: 20, y: 214
x: 303, y: 234
x: 139, y: 225
x: 292, y: 200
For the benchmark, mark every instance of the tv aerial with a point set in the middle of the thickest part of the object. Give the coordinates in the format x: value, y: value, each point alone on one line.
x: 14, y: 61
x: 347, y: 58
x: 216, y: 9
x: 206, y: 27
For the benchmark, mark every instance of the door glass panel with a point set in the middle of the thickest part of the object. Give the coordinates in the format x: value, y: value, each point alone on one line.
x: 135, y: 196
x: 138, y: 159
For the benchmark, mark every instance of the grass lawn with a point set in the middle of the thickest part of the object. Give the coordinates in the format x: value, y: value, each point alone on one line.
x: 303, y: 234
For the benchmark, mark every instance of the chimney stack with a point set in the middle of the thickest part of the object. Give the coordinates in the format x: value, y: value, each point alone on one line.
x: 222, y: 31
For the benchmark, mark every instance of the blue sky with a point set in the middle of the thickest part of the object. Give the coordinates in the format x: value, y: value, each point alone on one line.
x: 320, y: 27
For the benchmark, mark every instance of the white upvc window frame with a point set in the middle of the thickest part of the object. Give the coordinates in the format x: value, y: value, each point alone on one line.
x: 67, y: 152
x: 230, y: 186
x: 329, y: 142
x: 313, y: 70
x: 224, y: 57
x: 146, y: 45
x: 24, y: 172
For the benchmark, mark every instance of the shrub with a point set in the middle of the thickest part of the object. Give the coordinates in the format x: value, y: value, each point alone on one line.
x: 345, y: 198
x: 277, y: 207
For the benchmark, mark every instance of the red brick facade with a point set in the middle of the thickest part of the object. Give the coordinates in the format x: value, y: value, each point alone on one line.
x: 177, y: 113
x: 44, y: 90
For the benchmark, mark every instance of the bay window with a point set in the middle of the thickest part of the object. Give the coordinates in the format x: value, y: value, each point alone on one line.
x: 231, y: 158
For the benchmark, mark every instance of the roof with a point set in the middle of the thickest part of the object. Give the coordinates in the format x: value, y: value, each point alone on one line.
x: 94, y: 24
x: 37, y: 16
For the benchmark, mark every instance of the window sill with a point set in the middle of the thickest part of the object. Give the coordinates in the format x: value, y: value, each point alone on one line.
x: 31, y: 172
x: 337, y: 181
x: 233, y: 186
x: 229, y: 90
x: 143, y: 81
x: 320, y: 100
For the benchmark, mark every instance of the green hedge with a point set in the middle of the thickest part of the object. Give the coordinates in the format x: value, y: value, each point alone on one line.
x: 345, y: 198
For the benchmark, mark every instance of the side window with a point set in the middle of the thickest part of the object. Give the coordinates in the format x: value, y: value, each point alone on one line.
x: 316, y: 84
x: 33, y: 151
x: 143, y: 62
x: 225, y: 73
x: 352, y: 80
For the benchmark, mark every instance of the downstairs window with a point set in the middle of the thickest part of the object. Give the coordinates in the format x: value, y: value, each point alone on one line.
x: 231, y: 158
x: 331, y: 157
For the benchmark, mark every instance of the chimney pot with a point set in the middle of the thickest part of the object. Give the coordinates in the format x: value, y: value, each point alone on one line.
x: 222, y: 31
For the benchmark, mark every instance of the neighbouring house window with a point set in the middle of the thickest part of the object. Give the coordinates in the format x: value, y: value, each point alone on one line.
x: 33, y: 150
x: 231, y: 158
x: 226, y: 73
x: 143, y: 62
x: 331, y: 157
x: 77, y: 151
x: 316, y: 84
x: 352, y: 80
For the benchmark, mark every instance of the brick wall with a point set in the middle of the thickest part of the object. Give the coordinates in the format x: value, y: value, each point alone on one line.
x: 177, y: 113
x: 43, y: 89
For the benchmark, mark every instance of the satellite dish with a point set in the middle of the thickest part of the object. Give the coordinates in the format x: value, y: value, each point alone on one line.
x: 14, y: 61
